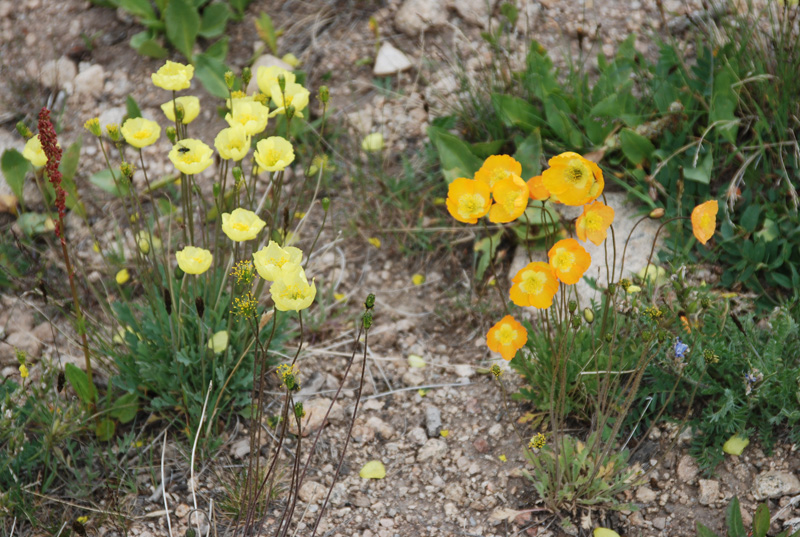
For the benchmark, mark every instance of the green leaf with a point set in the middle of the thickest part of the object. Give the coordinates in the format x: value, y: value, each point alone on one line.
x: 132, y: 107
x: 104, y: 430
x: 183, y: 24
x: 137, y: 8
x: 239, y: 6
x: 218, y: 50
x: 769, y: 231
x: 104, y: 180
x: 455, y: 156
x: 529, y: 154
x: 749, y: 219
x: 510, y: 11
x: 68, y: 168
x: 734, y: 519
x: 80, y: 383
x: 724, y: 102
x: 702, y: 173
x: 486, y: 248
x: 266, y: 32
x: 487, y: 149
x: 761, y: 521
x: 125, y: 408
x: 146, y: 45
x: 704, y: 531
x: 35, y: 224
x: 14, y: 167
x: 561, y: 124
x: 635, y: 146
x: 215, y: 17
x: 211, y: 73
x: 516, y: 112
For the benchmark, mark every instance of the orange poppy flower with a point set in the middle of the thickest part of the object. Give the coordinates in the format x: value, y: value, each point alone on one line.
x: 468, y: 200
x: 574, y: 179
x: 507, y: 337
x: 537, y: 188
x: 510, y: 199
x: 497, y: 167
x: 704, y: 220
x: 594, y: 222
x: 569, y: 260
x: 534, y: 285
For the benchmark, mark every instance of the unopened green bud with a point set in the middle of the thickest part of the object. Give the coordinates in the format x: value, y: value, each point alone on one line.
x: 646, y: 335
x: 172, y: 135
x: 625, y: 283
x: 299, y: 412
x: 324, y: 94
x: 612, y: 288
x: 282, y: 83
x: 609, y: 338
x: 290, y: 110
x: 216, y: 189
x: 705, y: 303
x: 126, y: 168
x: 113, y: 131
x: 662, y: 336
x: 572, y: 305
x: 229, y: 79
x: 190, y: 532
x: 366, y: 319
x: 237, y: 174
x: 247, y: 74
x: 24, y: 131
x: 588, y: 315
x: 180, y: 112
x: 178, y: 273
x: 655, y: 214
x: 369, y: 303
x: 576, y: 322
x: 326, y: 204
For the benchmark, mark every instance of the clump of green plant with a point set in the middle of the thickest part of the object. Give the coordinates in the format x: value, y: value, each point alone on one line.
x: 735, y: 524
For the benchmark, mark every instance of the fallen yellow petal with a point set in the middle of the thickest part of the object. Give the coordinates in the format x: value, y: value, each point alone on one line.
x: 373, y: 470
x: 502, y: 458
x: 416, y: 361
x: 418, y: 279
x: 604, y: 532
x: 445, y: 433
x: 374, y: 241
x: 735, y: 445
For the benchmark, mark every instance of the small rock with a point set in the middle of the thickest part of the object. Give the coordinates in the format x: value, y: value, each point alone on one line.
x: 20, y: 320
x: 481, y: 445
x: 454, y: 492
x: 417, y: 16
x: 43, y: 332
x: 112, y: 115
x: 660, y: 523
x: 709, y: 491
x: 25, y: 342
x: 390, y: 60
x: 90, y: 81
x: 241, y: 448
x: 380, y: 427
x: 774, y: 484
x: 311, y: 491
x: 645, y: 495
x: 464, y: 370
x: 59, y: 73
x: 433, y: 421
x: 414, y: 377
x: 267, y: 60
x: 687, y: 469
x: 636, y: 519
x: 475, y: 11
x: 417, y: 436
x: 315, y: 410
x: 434, y: 448
x: 182, y: 510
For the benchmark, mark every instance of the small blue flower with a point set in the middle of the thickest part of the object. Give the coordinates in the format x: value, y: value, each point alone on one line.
x: 681, y: 348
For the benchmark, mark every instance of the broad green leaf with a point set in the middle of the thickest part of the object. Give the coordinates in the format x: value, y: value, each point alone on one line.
x: 635, y: 146
x: 487, y: 149
x: 724, y: 102
x: 218, y: 50
x: 761, y: 521
x: 733, y: 517
x: 80, y: 383
x: 104, y: 180
x: 137, y: 8
x: 455, y: 156
x: 183, y: 24
x: 769, y: 231
x: 373, y: 470
x: 14, y: 167
x: 132, y: 107
x: 34, y: 223
x: 561, y: 124
x: 702, y: 173
x: 211, y: 73
x: 239, y: 6
x: 608, y: 107
x: 146, y: 45
x: 125, y: 408
x: 104, y: 430
x: 538, y: 215
x: 704, y: 531
x: 749, y: 219
x: 214, y: 19
x: 68, y: 168
x: 266, y: 32
x: 516, y: 112
x: 486, y: 248
x: 529, y: 154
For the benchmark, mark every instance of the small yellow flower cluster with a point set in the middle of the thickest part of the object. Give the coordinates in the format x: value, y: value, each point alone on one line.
x: 243, y: 273
x: 288, y: 375
x: 244, y: 306
x: 537, y: 441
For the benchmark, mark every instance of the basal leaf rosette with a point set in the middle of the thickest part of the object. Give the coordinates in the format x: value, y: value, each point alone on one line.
x: 507, y: 337
x: 569, y: 260
x: 291, y: 290
x: 193, y: 260
x: 274, y: 153
x: 593, y: 224
x: 233, y: 143
x: 511, y: 196
x: 704, y: 220
x: 573, y: 179
x: 534, y: 285
x: 497, y: 167
x: 242, y: 225
x: 140, y: 132
x: 468, y: 200
x: 191, y: 156
x: 267, y: 77
x: 269, y: 260
x: 190, y: 105
x: 173, y: 76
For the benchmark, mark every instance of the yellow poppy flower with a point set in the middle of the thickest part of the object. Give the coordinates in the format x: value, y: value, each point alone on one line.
x: 569, y: 260
x: 511, y: 196
x: 497, y: 167
x: 372, y: 142
x: 274, y: 153
x: 704, y: 220
x: 537, y: 189
x: 574, y: 179
x: 173, y: 76
x: 266, y: 77
x: 252, y: 115
x: 241, y: 225
x: 270, y: 259
x: 468, y: 200
x: 191, y: 156
x: 291, y: 290
x: 191, y: 108
x: 140, y: 132
x: 292, y: 95
x: 534, y: 285
x: 34, y: 153
x: 233, y: 143
x: 593, y: 224
x: 506, y: 337
x: 193, y: 260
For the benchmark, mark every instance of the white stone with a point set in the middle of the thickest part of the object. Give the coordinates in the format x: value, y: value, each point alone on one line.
x: 774, y: 484
x: 475, y: 11
x: 687, y: 470
x: 417, y: 16
x: 112, y: 115
x: 311, y: 491
x: 434, y: 448
x: 645, y: 495
x: 59, y: 73
x: 267, y: 60
x: 90, y: 81
x: 709, y: 491
x: 390, y: 60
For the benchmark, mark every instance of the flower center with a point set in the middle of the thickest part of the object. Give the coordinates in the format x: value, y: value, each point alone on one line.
x: 272, y: 157
x: 197, y: 260
x: 189, y: 158
x: 292, y: 292
x: 593, y: 222
x: 496, y: 175
x: 533, y: 282
x: 564, y: 260
x: 141, y: 135
x: 506, y: 335
x: 470, y: 204
x: 238, y: 226
x: 512, y: 199
x: 577, y: 173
